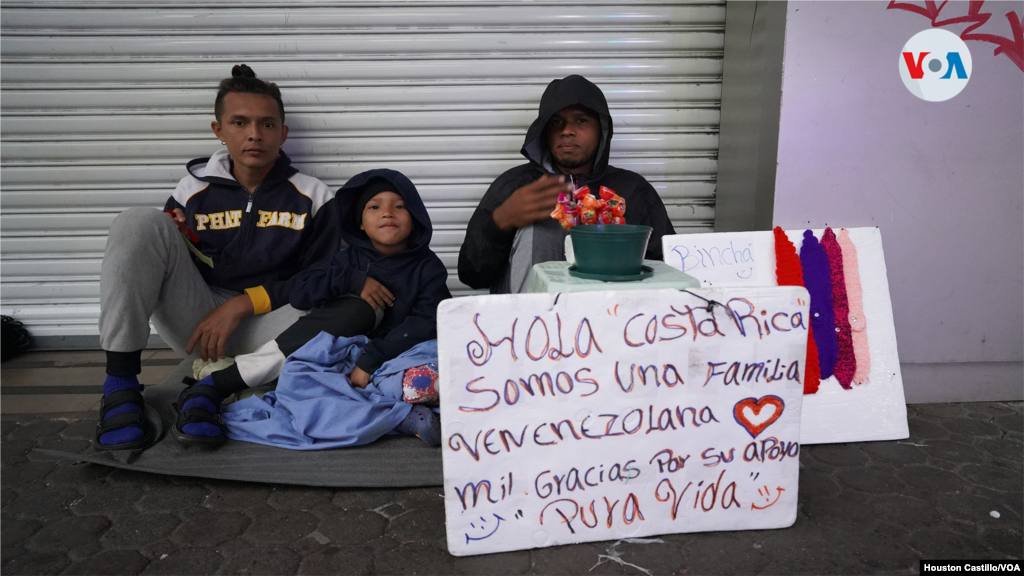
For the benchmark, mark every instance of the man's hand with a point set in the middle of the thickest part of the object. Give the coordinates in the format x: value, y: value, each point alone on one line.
x: 376, y: 294
x: 530, y: 203
x: 359, y: 378
x: 212, y: 333
x: 178, y: 217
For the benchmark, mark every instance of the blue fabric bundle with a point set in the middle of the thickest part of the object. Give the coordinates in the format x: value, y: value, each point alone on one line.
x: 315, y: 407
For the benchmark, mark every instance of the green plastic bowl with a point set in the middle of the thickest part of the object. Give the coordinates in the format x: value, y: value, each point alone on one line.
x: 610, y: 249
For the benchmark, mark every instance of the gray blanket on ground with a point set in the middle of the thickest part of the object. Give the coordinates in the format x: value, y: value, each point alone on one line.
x: 391, y: 461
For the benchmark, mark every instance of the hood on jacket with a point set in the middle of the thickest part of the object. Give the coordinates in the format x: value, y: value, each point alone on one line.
x: 217, y: 169
x: 348, y: 195
x: 569, y: 91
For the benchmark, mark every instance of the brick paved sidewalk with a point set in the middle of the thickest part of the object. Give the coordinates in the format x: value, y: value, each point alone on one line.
x: 864, y: 508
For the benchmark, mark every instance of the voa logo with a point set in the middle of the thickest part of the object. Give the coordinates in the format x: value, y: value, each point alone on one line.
x: 935, y: 65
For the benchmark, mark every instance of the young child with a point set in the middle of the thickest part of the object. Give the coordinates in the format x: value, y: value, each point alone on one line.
x: 385, y: 285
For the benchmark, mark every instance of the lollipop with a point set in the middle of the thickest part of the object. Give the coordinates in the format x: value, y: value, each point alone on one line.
x: 616, y: 206
x: 581, y: 207
x: 590, y: 207
x: 566, y: 211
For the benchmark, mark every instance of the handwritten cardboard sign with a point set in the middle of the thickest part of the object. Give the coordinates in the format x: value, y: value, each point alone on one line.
x: 723, y: 259
x: 580, y: 417
x: 872, y: 410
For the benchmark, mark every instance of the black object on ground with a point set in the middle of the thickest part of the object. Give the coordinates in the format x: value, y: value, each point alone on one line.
x: 14, y: 338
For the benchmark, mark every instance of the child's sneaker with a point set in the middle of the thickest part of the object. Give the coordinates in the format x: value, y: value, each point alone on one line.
x: 423, y: 423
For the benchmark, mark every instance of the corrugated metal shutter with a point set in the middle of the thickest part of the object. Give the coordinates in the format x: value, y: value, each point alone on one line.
x: 104, y: 102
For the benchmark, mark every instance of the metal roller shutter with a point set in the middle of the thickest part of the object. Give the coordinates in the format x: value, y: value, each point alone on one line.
x: 103, y: 103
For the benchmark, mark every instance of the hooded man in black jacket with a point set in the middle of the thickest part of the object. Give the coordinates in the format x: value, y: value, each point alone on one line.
x: 567, y: 147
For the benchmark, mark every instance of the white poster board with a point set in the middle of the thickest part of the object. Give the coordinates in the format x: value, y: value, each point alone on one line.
x: 600, y: 415
x: 875, y: 410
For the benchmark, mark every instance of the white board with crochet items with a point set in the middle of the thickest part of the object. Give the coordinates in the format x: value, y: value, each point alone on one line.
x: 603, y: 415
x: 858, y: 394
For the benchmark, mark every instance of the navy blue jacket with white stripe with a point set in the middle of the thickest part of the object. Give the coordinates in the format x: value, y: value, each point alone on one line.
x: 257, y: 242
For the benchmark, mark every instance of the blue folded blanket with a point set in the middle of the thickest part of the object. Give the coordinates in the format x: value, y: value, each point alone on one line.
x: 315, y: 407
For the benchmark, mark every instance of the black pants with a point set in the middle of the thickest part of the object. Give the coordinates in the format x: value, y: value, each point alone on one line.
x: 345, y: 317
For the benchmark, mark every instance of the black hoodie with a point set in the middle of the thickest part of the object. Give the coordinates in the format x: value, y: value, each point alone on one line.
x: 484, y: 260
x: 257, y: 241
x: 416, y: 277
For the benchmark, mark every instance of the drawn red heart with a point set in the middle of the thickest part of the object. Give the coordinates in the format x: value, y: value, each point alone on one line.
x: 753, y: 414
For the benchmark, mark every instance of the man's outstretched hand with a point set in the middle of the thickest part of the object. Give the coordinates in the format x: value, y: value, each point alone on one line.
x: 212, y: 333
x: 530, y: 203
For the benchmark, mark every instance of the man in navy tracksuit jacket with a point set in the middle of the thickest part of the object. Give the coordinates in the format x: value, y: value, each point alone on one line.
x: 254, y: 221
x: 257, y: 241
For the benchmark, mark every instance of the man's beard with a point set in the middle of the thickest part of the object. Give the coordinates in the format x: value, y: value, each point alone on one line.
x: 574, y: 164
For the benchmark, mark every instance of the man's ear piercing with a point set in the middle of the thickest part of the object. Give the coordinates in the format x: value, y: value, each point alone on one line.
x: 223, y: 143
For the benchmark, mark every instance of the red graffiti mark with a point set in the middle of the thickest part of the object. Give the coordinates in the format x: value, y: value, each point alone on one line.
x: 765, y: 494
x: 931, y: 11
x: 1013, y: 47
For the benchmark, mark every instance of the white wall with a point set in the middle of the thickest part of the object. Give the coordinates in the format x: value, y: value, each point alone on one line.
x: 944, y: 182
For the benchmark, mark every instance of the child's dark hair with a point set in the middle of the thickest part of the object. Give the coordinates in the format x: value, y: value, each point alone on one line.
x: 244, y: 80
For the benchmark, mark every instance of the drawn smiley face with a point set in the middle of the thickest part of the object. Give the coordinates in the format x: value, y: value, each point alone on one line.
x: 484, y: 528
x: 766, y: 494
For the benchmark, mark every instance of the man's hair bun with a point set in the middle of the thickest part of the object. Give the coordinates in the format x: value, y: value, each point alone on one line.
x: 242, y: 71
x: 244, y: 81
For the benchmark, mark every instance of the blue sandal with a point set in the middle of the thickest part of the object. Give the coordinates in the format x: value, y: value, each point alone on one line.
x: 198, y: 415
x: 131, y: 419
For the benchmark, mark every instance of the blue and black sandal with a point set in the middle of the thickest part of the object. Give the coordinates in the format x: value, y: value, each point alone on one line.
x: 125, y: 419
x: 199, y: 409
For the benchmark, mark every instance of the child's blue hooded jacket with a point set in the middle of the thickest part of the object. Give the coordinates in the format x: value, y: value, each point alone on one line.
x: 417, y: 278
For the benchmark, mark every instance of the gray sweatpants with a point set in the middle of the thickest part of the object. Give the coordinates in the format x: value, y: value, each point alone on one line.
x: 147, y: 272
